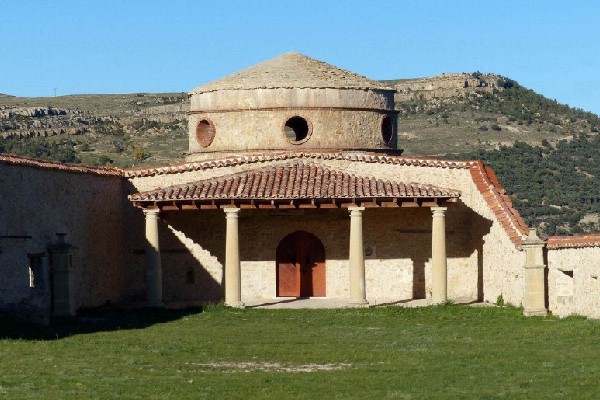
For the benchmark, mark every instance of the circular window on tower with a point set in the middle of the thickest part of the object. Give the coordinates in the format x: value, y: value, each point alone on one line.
x: 387, y: 129
x: 205, y: 132
x: 297, y: 130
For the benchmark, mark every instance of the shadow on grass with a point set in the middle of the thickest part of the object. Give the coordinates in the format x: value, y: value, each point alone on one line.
x: 90, y: 321
x: 275, y: 302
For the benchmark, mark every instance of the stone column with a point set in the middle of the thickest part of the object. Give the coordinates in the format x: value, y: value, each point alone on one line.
x: 358, y: 295
x: 233, y: 285
x: 61, y: 258
x: 153, y: 263
x: 534, y: 298
x: 439, y: 273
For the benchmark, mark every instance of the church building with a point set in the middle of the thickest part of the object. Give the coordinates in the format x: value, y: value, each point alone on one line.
x: 292, y: 188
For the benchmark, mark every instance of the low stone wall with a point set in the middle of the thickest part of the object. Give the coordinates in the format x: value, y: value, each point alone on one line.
x: 573, y: 281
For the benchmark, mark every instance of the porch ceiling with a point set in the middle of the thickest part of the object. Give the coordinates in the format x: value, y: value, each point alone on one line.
x: 296, y: 184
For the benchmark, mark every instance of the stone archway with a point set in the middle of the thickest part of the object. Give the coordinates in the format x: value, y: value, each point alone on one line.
x: 301, y: 270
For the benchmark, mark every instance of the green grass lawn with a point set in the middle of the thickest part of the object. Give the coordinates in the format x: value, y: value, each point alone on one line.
x: 445, y: 352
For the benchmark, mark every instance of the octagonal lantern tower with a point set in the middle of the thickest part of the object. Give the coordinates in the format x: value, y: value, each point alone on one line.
x: 293, y: 103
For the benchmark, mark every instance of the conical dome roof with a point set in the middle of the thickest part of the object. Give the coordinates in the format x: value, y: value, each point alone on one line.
x: 291, y: 70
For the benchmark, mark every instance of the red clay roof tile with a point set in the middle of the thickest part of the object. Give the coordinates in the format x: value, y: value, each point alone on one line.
x: 55, y: 165
x: 296, y: 180
x: 494, y: 194
x: 561, y: 242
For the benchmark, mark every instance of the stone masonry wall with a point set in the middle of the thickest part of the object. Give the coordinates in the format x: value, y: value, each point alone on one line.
x: 264, y: 130
x: 573, y: 281
x: 37, y: 203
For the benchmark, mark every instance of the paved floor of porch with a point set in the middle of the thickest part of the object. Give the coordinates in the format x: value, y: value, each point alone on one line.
x: 315, y: 302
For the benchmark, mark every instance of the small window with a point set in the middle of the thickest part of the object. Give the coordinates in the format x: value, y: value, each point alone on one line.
x: 35, y: 270
x: 564, y: 283
x: 387, y: 129
x: 205, y: 133
x: 31, y: 277
x: 297, y: 130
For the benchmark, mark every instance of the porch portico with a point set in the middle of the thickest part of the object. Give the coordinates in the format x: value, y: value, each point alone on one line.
x: 296, y: 186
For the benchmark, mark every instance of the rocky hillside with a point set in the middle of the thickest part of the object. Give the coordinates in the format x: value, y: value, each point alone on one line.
x: 96, y: 129
x: 467, y: 112
x: 443, y: 86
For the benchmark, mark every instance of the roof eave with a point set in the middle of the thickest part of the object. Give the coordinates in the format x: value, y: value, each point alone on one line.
x: 323, y: 202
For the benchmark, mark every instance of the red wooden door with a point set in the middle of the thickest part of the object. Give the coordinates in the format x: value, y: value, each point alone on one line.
x: 301, y: 270
x: 288, y: 283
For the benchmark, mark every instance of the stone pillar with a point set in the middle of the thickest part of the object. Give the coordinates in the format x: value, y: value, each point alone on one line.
x: 534, y: 298
x: 233, y: 281
x: 439, y: 272
x: 153, y: 263
x: 358, y: 295
x: 61, y: 258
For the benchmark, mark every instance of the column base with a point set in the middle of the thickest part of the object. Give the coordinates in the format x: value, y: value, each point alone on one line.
x: 358, y: 303
x: 236, y: 304
x: 535, y: 312
x: 435, y: 302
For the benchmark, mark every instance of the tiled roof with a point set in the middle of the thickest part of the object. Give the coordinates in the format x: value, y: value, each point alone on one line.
x: 500, y: 203
x: 291, y: 70
x: 296, y: 180
x: 290, y: 155
x: 54, y: 165
x: 561, y: 242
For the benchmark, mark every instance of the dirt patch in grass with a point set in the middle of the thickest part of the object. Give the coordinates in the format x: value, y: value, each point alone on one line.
x: 253, y: 366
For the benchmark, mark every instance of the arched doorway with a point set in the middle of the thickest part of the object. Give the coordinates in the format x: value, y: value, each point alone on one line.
x: 301, y: 266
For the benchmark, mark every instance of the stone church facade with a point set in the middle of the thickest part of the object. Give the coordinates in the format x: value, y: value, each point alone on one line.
x: 292, y: 188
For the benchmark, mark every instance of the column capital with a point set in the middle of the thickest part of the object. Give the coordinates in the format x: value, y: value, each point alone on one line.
x: 231, y: 212
x: 151, y: 212
x: 356, y: 210
x: 438, y: 211
x: 528, y: 245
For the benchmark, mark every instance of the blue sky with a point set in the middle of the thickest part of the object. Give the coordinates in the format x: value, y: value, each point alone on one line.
x: 552, y: 47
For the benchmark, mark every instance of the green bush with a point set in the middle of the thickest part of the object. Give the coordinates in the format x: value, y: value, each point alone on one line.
x: 140, y: 154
